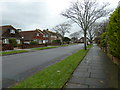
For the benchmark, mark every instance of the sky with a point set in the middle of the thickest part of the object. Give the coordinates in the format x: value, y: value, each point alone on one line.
x: 41, y: 14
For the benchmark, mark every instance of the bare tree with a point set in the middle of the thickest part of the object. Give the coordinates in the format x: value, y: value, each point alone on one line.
x: 62, y: 28
x: 85, y: 14
x: 75, y: 35
x: 91, y: 31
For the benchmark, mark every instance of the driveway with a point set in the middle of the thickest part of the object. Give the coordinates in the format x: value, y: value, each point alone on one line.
x: 19, y: 66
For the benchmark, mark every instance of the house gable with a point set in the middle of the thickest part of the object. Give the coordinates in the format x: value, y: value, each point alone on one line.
x: 9, y: 31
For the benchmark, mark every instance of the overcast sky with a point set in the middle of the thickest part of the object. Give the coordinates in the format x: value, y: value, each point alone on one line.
x: 42, y: 14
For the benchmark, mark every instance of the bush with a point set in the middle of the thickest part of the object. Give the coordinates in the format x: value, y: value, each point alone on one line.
x: 34, y: 43
x: 103, y: 40
x: 56, y: 42
x: 66, y: 40
x: 13, y: 42
x: 114, y: 33
x: 7, y: 47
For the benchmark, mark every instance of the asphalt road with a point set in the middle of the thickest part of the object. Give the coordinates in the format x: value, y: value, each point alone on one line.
x: 19, y: 66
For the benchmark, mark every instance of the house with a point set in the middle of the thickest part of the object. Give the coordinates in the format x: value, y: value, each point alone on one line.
x: 81, y: 40
x: 7, y: 32
x: 33, y: 35
x: 74, y: 40
x: 46, y: 37
x: 51, y: 36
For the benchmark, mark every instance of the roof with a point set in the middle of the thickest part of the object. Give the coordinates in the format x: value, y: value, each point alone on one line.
x: 6, y: 27
x: 30, y: 35
x: 52, y: 33
x: 5, y: 32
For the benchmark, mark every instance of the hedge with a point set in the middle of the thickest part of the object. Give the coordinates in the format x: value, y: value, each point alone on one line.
x: 103, y: 40
x: 13, y: 42
x: 114, y: 33
x: 33, y: 43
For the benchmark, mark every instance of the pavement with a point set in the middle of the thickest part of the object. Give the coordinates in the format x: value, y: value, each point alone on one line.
x: 17, y: 67
x: 95, y: 71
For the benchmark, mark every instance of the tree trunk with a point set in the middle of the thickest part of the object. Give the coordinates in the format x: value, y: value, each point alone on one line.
x: 85, y: 47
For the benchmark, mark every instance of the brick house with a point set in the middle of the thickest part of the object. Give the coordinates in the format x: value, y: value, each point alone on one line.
x: 51, y: 36
x: 7, y: 32
x: 33, y: 35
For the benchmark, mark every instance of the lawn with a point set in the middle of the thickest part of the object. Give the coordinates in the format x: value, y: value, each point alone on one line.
x: 44, y: 48
x: 12, y: 52
x: 54, y: 76
x: 89, y: 46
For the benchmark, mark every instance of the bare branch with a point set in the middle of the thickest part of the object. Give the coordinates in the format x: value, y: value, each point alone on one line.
x: 86, y: 13
x: 62, y: 28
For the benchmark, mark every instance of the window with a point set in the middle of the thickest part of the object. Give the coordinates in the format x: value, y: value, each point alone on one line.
x: 18, y: 41
x: 46, y: 40
x: 35, y: 40
x: 46, y: 35
x: 5, y: 41
x: 12, y: 31
x: 52, y: 36
x: 37, y: 34
x: 43, y: 41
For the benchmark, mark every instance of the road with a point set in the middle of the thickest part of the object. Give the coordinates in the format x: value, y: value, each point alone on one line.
x: 19, y: 66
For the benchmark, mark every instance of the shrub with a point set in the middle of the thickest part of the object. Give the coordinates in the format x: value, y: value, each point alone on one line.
x: 13, y: 42
x: 56, y: 42
x: 7, y: 47
x: 66, y: 40
x: 114, y: 33
x: 33, y: 42
x: 103, y: 40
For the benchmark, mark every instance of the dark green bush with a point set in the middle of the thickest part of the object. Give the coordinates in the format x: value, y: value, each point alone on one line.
x: 13, y: 42
x: 114, y: 33
x: 103, y: 40
x: 56, y: 41
x: 66, y: 40
x: 33, y: 43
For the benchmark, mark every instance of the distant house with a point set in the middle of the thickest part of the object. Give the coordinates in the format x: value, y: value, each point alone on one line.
x: 7, y: 32
x: 33, y: 35
x: 74, y: 40
x: 51, y: 36
x: 81, y: 40
x: 46, y: 36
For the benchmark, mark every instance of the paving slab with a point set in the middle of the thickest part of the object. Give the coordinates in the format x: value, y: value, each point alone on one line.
x: 77, y: 86
x: 95, y: 71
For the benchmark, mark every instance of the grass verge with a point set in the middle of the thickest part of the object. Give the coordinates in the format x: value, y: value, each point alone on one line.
x: 54, y: 76
x: 44, y: 48
x: 13, y: 52
x: 89, y: 46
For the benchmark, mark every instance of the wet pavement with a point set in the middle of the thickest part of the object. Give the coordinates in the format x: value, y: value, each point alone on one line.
x: 95, y: 71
